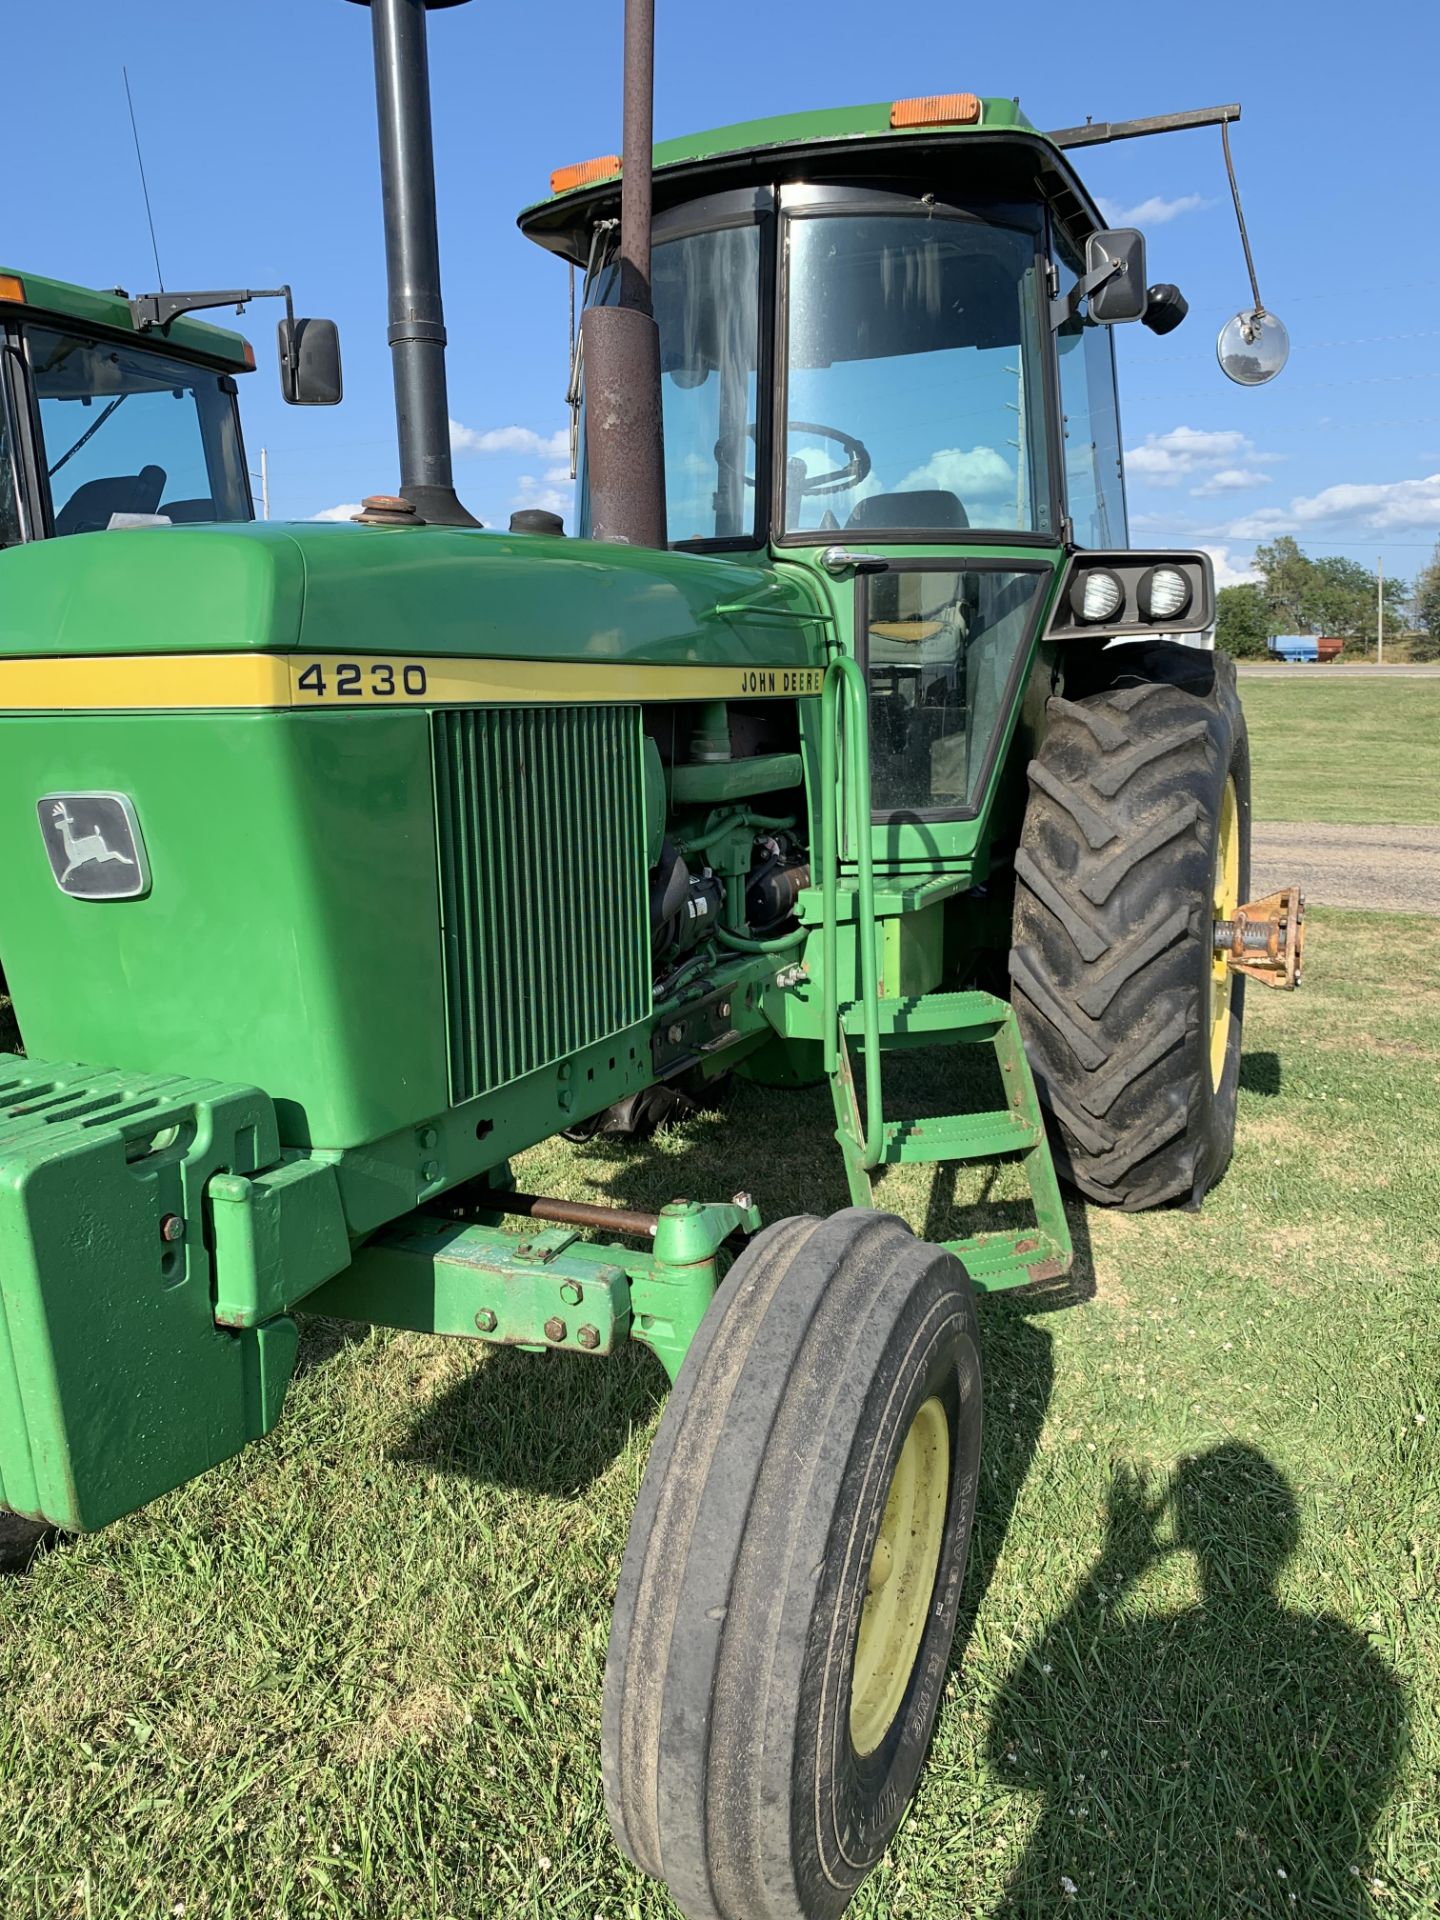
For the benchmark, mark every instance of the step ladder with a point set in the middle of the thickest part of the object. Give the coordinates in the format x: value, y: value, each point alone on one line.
x: 869, y: 1027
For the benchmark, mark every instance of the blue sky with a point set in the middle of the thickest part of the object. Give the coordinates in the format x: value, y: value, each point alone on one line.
x: 258, y: 127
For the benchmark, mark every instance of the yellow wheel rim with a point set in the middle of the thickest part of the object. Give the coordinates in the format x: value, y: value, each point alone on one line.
x: 1227, y: 905
x: 901, y: 1578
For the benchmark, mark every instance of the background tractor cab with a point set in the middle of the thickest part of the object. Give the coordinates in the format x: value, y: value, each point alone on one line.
x: 886, y: 363
x: 120, y: 412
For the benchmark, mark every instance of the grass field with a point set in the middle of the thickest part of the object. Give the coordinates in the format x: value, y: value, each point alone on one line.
x: 356, y: 1673
x: 1355, y: 749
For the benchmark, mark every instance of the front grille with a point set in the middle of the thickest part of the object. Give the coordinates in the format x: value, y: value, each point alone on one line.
x: 542, y: 885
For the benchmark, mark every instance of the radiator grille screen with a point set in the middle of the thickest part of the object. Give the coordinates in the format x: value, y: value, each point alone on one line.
x: 542, y: 885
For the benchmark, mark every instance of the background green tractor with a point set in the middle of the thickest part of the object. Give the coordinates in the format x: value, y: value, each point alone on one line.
x: 120, y: 412
x: 343, y: 863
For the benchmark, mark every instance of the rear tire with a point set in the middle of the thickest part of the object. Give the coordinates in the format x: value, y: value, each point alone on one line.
x: 1116, y: 884
x: 731, y: 1763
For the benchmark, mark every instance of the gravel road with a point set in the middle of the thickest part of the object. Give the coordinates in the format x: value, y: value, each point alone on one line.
x: 1389, y: 869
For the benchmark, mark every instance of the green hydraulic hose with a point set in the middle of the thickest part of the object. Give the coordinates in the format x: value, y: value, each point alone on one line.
x: 761, y: 822
x: 747, y: 943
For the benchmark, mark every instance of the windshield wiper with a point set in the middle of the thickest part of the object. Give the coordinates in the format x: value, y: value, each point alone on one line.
x: 88, y: 435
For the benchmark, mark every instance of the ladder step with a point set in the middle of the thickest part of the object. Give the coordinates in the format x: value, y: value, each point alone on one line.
x: 996, y: 1260
x: 931, y: 1013
x: 959, y: 1136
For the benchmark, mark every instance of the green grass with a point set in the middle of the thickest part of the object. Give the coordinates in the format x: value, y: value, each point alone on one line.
x: 356, y: 1673
x: 1358, y: 750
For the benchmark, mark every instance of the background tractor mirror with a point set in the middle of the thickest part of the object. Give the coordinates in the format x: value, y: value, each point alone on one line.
x: 310, y: 363
x: 1115, y: 273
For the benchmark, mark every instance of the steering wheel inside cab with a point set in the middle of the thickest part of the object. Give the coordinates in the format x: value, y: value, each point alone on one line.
x: 799, y: 481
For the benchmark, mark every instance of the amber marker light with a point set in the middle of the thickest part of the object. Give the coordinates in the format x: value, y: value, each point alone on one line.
x: 249, y: 356
x: 936, y: 110
x: 586, y: 174
x: 12, y: 288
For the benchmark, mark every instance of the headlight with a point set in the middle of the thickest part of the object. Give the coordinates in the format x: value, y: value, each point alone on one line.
x: 1096, y: 595
x: 1163, y: 594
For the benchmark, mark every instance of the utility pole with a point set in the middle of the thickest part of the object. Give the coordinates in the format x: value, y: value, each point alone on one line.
x: 1380, y: 615
x: 264, y: 484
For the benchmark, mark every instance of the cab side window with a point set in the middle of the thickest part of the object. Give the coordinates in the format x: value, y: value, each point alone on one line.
x: 1094, y: 476
x: 10, y: 530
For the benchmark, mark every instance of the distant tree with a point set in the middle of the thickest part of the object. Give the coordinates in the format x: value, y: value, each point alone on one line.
x: 1425, y: 599
x: 1286, y: 573
x: 1340, y: 597
x: 1333, y: 595
x: 1242, y: 621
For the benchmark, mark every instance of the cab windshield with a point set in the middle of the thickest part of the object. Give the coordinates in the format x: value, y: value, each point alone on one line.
x: 133, y: 437
x: 914, y: 369
x: 914, y: 400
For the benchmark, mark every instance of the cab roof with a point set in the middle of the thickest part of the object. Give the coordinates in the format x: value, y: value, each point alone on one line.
x: 826, y: 143
x: 87, y: 307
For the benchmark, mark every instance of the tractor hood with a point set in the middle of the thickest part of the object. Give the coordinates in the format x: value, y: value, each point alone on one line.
x: 420, y: 591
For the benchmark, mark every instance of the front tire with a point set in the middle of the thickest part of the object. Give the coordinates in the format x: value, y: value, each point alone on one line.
x: 788, y: 1596
x: 1136, y: 839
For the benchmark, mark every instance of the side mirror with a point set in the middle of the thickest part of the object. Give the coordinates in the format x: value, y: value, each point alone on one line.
x: 310, y: 363
x: 1115, y: 266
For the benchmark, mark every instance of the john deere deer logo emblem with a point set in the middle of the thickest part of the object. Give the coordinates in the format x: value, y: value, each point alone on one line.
x: 80, y: 847
x: 93, y: 843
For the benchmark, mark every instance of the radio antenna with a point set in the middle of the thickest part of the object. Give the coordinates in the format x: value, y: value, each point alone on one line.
x: 144, y: 185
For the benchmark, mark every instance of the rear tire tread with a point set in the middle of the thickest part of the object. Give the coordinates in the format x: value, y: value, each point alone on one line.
x: 1113, y: 893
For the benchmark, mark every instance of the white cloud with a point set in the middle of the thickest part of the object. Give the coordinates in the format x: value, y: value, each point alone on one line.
x: 1229, y: 573
x: 347, y: 511
x: 1232, y: 480
x: 558, y: 476
x: 1153, y: 212
x: 1168, y: 457
x: 977, y: 474
x: 549, y: 446
x: 543, y: 493
x: 1381, y: 506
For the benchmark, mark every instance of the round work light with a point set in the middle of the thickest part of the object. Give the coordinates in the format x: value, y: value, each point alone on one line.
x: 1096, y: 595
x: 1163, y: 594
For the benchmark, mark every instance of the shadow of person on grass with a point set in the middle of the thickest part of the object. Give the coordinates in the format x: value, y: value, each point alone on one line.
x: 1229, y: 1758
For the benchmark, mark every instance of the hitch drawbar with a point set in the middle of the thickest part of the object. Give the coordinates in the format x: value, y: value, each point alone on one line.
x: 1266, y: 939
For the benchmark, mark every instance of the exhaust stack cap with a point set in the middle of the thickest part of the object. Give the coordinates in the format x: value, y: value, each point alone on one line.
x: 536, y: 520
x: 386, y: 510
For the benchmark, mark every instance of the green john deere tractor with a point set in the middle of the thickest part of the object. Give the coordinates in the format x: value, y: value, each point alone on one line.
x: 342, y: 863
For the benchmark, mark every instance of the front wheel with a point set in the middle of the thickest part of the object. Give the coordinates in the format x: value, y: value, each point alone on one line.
x: 788, y: 1596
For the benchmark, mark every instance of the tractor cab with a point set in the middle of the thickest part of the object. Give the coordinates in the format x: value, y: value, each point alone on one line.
x: 121, y: 412
x: 103, y: 427
x: 879, y: 366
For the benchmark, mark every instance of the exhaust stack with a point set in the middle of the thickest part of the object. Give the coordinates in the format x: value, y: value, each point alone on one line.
x: 624, y: 428
x: 412, y: 259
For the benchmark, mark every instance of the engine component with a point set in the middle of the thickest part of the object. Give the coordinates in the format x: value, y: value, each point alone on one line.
x: 777, y: 878
x: 684, y: 906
